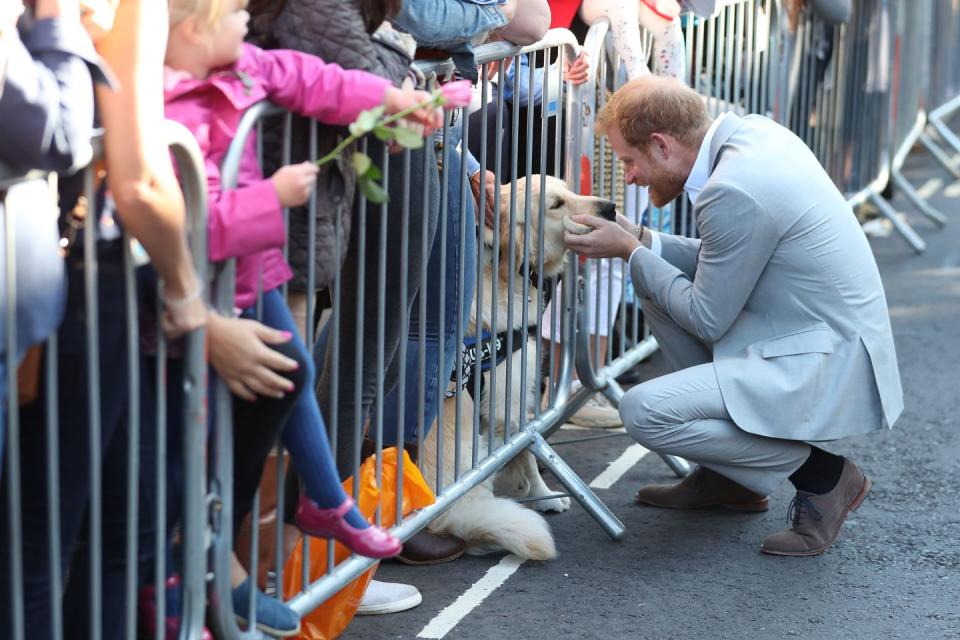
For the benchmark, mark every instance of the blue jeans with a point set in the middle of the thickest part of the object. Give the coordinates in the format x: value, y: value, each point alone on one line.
x: 437, y: 370
x: 443, y: 24
x: 304, y: 435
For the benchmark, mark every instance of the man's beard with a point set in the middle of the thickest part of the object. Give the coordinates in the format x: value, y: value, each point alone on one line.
x: 667, y: 190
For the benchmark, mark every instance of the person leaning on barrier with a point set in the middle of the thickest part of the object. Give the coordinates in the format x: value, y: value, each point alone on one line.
x: 149, y: 204
x: 774, y: 321
x: 46, y: 110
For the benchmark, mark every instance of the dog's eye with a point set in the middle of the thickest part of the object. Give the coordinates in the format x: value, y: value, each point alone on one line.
x: 555, y: 203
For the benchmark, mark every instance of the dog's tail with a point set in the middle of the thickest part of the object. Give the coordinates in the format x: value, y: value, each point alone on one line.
x: 489, y: 524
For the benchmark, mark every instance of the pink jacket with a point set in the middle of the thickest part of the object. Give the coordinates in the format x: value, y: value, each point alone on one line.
x: 247, y: 222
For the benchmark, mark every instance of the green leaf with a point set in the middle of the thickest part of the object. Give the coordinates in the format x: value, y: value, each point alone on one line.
x: 374, y: 173
x: 384, y: 134
x: 408, y: 138
x: 373, y: 191
x: 366, y: 121
x: 361, y: 163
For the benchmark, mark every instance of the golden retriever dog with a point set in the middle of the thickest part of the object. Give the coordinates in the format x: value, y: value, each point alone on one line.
x: 488, y: 518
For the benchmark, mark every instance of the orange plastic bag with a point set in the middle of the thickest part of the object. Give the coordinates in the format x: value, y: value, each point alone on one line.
x: 332, y: 617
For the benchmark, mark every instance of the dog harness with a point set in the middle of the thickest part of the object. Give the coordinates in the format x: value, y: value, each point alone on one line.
x: 490, y: 350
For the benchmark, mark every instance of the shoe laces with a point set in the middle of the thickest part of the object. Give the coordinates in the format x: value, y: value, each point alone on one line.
x: 798, y: 505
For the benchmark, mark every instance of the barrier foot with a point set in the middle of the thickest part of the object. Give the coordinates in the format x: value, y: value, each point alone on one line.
x: 614, y: 392
x: 902, y: 227
x: 678, y: 465
x: 916, y: 199
x: 576, y: 487
x: 946, y: 134
x: 939, y: 155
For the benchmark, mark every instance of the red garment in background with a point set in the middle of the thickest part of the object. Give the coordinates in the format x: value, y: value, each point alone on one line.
x: 562, y: 12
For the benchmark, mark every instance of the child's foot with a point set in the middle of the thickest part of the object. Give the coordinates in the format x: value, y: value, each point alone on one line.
x: 273, y: 617
x: 369, y: 541
x: 171, y: 622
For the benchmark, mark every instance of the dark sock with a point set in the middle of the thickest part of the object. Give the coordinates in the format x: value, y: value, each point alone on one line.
x: 820, y: 473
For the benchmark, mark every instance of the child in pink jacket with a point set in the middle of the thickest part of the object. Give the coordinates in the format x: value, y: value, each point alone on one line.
x: 211, y: 78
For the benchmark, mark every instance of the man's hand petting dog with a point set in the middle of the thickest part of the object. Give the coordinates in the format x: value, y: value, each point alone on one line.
x: 602, y: 239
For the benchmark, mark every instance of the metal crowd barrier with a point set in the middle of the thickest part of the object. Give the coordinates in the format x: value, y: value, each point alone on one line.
x: 99, y: 223
x: 860, y: 100
x: 742, y: 59
x: 944, y: 85
x: 515, y: 164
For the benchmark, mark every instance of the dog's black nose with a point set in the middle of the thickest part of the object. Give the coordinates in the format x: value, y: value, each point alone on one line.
x: 608, y: 210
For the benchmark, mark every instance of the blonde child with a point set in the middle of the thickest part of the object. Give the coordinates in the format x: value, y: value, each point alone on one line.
x: 211, y: 78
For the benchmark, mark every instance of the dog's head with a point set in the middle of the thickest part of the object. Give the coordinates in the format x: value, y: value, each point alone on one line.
x: 557, y: 203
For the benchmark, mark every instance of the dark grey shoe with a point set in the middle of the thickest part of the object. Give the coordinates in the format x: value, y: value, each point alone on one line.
x: 701, y: 489
x: 817, y: 519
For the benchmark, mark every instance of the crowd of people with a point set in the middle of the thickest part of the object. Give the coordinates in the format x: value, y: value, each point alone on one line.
x: 70, y: 66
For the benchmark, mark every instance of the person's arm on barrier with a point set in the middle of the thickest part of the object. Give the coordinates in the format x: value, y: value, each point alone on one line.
x: 139, y: 171
x: 241, y: 354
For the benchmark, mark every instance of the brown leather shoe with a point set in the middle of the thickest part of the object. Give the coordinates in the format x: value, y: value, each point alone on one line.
x: 817, y: 519
x: 702, y: 488
x: 425, y: 547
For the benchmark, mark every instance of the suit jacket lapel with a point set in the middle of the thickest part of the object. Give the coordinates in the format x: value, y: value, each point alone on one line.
x: 725, y: 129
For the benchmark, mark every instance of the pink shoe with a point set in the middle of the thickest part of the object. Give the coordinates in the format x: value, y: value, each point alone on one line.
x: 372, y: 542
x: 148, y: 613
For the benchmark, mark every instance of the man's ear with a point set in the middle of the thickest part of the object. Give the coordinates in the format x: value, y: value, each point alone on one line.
x: 660, y: 146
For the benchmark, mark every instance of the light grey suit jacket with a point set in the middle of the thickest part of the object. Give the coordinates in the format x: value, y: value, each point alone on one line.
x: 784, y: 286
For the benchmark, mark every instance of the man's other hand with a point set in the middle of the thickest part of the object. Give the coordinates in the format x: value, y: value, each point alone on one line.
x: 606, y: 240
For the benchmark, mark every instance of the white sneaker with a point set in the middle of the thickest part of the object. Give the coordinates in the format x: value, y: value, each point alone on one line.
x: 388, y: 597
x: 597, y: 413
x: 270, y: 590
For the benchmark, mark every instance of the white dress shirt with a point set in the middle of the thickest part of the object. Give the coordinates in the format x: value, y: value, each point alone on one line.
x: 695, y: 181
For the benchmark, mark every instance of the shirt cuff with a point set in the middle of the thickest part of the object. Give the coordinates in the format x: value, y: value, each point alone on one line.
x: 655, y: 244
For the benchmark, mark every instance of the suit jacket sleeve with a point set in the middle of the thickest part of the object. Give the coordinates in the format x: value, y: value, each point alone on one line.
x: 681, y: 252
x: 737, y: 239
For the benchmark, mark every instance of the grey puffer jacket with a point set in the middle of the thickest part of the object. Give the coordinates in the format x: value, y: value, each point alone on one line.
x: 335, y: 31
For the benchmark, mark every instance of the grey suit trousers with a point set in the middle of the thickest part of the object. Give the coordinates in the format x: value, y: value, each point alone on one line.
x: 683, y: 414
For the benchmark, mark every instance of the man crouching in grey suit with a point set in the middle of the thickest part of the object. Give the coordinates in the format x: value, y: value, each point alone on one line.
x: 774, y: 322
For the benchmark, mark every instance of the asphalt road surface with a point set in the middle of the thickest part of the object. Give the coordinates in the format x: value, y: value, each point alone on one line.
x: 894, y: 573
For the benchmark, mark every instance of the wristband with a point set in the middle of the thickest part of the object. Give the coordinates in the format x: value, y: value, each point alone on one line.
x: 179, y: 303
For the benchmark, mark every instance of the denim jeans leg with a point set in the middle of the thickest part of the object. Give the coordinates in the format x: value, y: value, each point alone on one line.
x: 304, y: 434
x: 423, y: 168
x: 437, y: 364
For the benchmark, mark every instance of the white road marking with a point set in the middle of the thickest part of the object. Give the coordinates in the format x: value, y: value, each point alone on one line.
x: 953, y: 191
x: 929, y: 188
x: 633, y: 454
x: 450, y: 617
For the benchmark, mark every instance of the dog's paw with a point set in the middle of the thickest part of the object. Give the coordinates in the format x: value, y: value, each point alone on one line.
x: 553, y: 505
x: 576, y: 227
